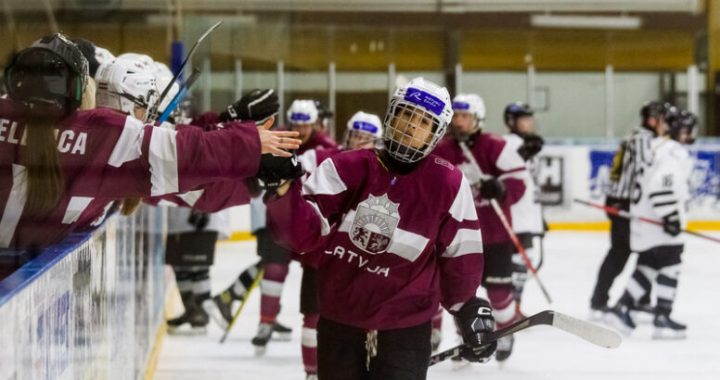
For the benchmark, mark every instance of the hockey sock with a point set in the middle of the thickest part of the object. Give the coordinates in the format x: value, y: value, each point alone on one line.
x: 240, y: 287
x: 184, y: 282
x: 519, y: 275
x: 640, y: 283
x: 271, y: 288
x: 200, y: 277
x: 309, y: 342
x: 667, y: 281
x: 503, y: 304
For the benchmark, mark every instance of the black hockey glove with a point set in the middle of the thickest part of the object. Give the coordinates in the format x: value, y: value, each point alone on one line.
x: 198, y: 219
x: 492, y: 189
x: 257, y: 105
x: 671, y: 224
x: 275, y: 170
x: 475, y: 321
x: 531, y: 146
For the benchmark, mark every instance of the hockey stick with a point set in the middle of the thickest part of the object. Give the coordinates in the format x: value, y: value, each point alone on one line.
x: 595, y: 334
x: 154, y: 111
x: 179, y: 96
x: 254, y: 285
x: 628, y: 215
x: 508, y: 228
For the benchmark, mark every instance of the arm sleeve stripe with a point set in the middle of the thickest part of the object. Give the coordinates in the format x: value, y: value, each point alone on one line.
x: 163, y: 162
x: 325, y: 181
x: 128, y: 147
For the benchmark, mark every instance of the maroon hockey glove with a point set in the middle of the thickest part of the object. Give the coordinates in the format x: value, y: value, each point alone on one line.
x: 475, y: 321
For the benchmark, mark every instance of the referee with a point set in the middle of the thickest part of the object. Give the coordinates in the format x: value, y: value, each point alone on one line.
x: 634, y: 153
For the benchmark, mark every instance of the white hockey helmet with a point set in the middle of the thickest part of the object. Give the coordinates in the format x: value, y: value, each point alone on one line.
x: 164, y: 76
x: 103, y: 55
x: 365, y: 127
x: 302, y: 111
x: 419, y: 101
x: 143, y: 60
x: 122, y: 86
x: 470, y: 103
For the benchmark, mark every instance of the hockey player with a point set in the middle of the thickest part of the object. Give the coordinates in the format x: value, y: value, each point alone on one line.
x: 49, y: 183
x: 526, y: 213
x: 302, y: 117
x: 392, y: 233
x: 125, y: 88
x: 660, y: 193
x: 364, y: 131
x: 634, y: 153
x: 502, y: 178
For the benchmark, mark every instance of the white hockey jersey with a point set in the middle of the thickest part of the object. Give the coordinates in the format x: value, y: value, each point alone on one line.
x: 661, y: 188
x: 527, y: 212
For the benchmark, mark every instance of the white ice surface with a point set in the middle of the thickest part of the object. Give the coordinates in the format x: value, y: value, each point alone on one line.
x: 571, y: 264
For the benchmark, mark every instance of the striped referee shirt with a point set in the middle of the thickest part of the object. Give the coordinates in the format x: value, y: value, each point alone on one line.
x: 634, y: 154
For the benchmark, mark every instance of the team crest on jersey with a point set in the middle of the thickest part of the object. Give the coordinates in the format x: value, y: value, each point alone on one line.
x: 375, y: 221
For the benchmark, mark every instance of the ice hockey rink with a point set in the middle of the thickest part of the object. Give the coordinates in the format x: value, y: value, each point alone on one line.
x: 569, y: 270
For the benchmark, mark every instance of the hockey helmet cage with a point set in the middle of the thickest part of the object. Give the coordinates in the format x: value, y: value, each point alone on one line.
x: 419, y: 99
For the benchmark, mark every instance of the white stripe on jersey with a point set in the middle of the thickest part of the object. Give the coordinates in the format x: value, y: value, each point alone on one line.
x: 509, y: 159
x: 14, y: 205
x: 163, y: 161
x: 128, y: 146
x: 466, y: 241
x: 191, y: 197
x: 308, y: 161
x: 407, y: 245
x: 325, y: 181
x: 463, y: 206
x: 75, y: 208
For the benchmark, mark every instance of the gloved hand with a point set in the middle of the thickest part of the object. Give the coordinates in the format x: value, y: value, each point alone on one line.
x: 257, y: 105
x: 475, y: 321
x: 492, y: 189
x: 671, y: 224
x: 198, y: 219
x: 275, y: 170
x: 531, y: 146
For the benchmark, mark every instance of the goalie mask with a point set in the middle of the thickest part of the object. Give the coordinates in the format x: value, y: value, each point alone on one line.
x: 123, y: 86
x: 363, y: 129
x: 416, y: 120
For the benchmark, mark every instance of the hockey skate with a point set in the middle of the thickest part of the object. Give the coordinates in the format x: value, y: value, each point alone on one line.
x: 666, y: 328
x: 220, y: 309
x: 504, y: 348
x: 435, y: 339
x: 619, y: 318
x: 599, y: 313
x: 311, y: 376
x: 191, y: 322
x: 281, y: 333
x: 642, y: 313
x: 261, y: 339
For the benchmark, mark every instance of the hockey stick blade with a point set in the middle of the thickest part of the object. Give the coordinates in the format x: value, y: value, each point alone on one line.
x: 587, y: 331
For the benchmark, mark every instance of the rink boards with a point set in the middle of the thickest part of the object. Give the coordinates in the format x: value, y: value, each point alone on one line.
x: 88, y: 308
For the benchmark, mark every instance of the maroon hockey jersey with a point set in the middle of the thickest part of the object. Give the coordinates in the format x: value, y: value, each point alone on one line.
x: 388, y: 247
x: 318, y: 141
x: 105, y: 156
x: 496, y: 159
